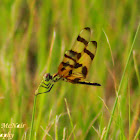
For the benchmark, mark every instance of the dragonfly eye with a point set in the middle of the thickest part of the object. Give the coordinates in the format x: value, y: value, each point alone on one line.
x: 47, y: 77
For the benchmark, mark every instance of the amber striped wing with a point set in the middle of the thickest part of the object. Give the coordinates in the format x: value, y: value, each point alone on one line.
x: 81, y: 68
x: 76, y: 62
x: 73, y: 55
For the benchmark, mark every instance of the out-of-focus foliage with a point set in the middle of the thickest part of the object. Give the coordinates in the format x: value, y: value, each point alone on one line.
x: 33, y: 38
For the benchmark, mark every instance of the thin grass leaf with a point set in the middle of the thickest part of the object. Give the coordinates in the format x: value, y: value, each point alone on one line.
x: 33, y: 117
x: 137, y: 134
x: 70, y: 118
x: 118, y: 92
x: 109, y: 46
x: 136, y: 67
x: 129, y: 109
x: 42, y: 99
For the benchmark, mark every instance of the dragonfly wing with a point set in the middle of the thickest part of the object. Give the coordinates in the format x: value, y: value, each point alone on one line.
x: 81, y: 41
x: 82, y: 66
x: 72, y: 56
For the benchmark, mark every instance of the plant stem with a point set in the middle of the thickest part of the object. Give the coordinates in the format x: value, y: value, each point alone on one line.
x: 118, y: 92
x: 33, y: 115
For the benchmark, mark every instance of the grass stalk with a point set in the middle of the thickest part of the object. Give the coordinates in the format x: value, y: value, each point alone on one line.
x: 136, y: 67
x: 129, y: 109
x: 70, y: 118
x: 33, y: 116
x: 56, y: 128
x: 137, y: 134
x: 109, y: 46
x: 118, y: 92
x: 42, y: 98
x: 135, y: 121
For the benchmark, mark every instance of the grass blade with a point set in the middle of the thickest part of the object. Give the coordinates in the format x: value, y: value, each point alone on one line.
x: 70, y: 117
x: 118, y: 92
x: 33, y: 116
x: 136, y: 67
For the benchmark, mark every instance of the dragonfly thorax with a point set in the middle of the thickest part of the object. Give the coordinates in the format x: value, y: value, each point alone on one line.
x: 56, y: 77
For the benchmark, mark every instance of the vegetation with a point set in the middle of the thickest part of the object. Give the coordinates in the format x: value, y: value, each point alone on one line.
x: 33, y: 38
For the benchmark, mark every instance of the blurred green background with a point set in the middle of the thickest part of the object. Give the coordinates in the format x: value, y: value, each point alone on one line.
x: 33, y: 38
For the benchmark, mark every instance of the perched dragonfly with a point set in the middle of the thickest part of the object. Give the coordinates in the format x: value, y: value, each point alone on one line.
x: 75, y: 65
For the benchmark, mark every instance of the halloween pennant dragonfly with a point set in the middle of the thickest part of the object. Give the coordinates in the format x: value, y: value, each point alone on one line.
x: 75, y: 65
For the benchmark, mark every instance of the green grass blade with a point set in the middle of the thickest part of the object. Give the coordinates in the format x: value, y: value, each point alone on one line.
x: 118, y: 92
x: 137, y: 134
x: 136, y: 67
x: 33, y: 116
x: 70, y: 118
x: 129, y: 109
x: 42, y: 98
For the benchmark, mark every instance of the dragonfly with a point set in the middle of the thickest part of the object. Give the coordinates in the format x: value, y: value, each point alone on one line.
x: 75, y: 65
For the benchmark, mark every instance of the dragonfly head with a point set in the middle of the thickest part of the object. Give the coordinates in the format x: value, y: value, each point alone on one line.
x: 47, y: 77
x: 45, y: 85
